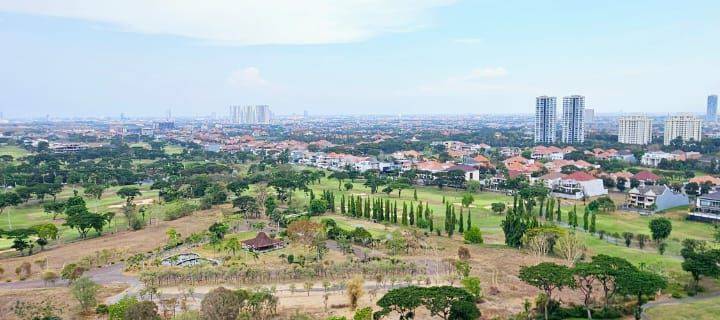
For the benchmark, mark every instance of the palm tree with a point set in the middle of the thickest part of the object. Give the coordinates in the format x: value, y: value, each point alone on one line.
x: 232, y: 245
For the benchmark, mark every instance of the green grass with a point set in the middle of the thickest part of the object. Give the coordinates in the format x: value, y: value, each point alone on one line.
x: 489, y: 223
x: 173, y: 149
x: 705, y: 309
x: 32, y: 213
x: 14, y: 151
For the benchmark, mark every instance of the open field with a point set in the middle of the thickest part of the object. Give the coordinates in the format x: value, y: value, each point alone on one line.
x: 14, y: 151
x: 32, y: 213
x: 700, y: 309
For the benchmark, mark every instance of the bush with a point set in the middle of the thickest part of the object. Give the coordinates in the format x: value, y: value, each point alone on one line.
x: 117, y: 311
x: 144, y: 310
x: 473, y: 235
x: 178, y: 209
x: 363, y: 314
x: 101, y: 309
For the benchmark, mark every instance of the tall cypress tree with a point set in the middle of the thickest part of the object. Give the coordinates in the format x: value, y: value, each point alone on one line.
x: 461, y: 227
x: 412, y: 214
x: 469, y: 223
x: 404, y: 214
x: 592, y: 223
x: 586, y: 219
x: 342, y: 204
x: 559, y: 213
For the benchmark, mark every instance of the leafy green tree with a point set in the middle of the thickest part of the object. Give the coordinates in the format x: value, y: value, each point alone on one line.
x: 55, y: 208
x: 46, y: 232
x: 467, y: 200
x: 473, y: 286
x: 639, y: 283
x: 317, y: 207
x: 628, y: 236
x: 237, y: 187
x: 83, y: 221
x: 85, y: 292
x: 547, y: 276
x: 498, y: 207
x: 660, y: 229
x: 116, y: 311
x: 699, y: 260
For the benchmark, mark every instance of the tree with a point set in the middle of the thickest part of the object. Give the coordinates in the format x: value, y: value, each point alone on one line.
x: 660, y: 229
x: 232, y: 245
x: 473, y: 235
x: 439, y: 300
x: 473, y: 286
x: 46, y: 232
x: 401, y: 300
x: 143, y: 310
x: 55, y: 208
x: 220, y: 304
x: 608, y: 270
x: 317, y: 207
x: 639, y: 283
x: 547, y: 276
x: 84, y: 221
x: 247, y: 205
x: 71, y: 272
x: 94, y: 190
x: 467, y: 200
x: 348, y: 186
x: 498, y: 207
x: 85, y: 291
x: 628, y: 236
x: 355, y: 291
x: 585, y: 276
x: 237, y: 187
x: 699, y: 260
x: 128, y: 193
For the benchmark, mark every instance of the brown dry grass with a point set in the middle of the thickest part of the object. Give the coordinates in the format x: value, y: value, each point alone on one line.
x: 59, y: 296
x: 130, y: 242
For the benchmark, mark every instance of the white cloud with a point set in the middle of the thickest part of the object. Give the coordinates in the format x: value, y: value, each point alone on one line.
x: 245, y: 22
x: 247, y: 78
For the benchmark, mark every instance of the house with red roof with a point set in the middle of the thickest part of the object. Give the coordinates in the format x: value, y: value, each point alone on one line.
x: 578, y: 185
x: 646, y: 177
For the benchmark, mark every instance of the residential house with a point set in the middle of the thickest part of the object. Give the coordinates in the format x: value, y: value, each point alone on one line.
x: 652, y: 159
x: 578, y: 185
x: 471, y: 173
x: 646, y: 177
x: 655, y: 198
x: 707, y: 208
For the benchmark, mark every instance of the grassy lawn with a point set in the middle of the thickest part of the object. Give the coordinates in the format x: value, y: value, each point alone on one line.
x: 14, y: 151
x: 173, y: 149
x: 489, y: 223
x: 705, y: 309
x: 27, y: 215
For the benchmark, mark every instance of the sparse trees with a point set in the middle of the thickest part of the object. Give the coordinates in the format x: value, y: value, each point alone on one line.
x: 547, y: 276
x: 85, y: 291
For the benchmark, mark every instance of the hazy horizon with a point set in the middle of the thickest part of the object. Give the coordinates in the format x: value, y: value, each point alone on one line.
x: 85, y: 58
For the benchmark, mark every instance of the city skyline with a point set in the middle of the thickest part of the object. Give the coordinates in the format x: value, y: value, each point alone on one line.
x: 64, y: 61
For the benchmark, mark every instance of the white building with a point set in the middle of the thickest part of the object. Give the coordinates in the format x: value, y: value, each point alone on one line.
x: 652, y: 159
x: 573, y: 125
x: 685, y: 126
x: 635, y: 130
x: 259, y: 114
x: 545, y: 119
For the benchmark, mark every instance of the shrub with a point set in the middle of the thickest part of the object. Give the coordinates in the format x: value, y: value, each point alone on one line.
x: 473, y: 235
x: 363, y: 314
x: 178, y: 209
x: 85, y: 291
x: 117, y: 310
x: 144, y: 310
x: 101, y: 309
x: 220, y: 304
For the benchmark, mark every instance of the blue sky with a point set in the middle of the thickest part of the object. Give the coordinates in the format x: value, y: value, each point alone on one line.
x: 100, y: 58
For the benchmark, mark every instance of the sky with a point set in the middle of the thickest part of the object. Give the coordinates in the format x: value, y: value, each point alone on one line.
x: 143, y: 57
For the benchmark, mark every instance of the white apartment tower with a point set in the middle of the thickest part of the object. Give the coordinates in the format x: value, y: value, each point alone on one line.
x: 635, y: 130
x: 573, y: 126
x: 685, y: 126
x: 545, y: 118
x: 259, y: 114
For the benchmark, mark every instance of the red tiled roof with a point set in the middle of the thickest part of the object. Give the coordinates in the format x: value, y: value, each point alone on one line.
x: 580, y: 176
x: 646, y: 176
